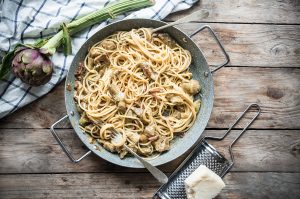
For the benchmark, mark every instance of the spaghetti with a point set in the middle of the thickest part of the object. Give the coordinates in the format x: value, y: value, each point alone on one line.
x: 139, y: 84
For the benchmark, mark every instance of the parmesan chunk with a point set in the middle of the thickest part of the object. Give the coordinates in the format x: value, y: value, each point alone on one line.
x: 203, y: 183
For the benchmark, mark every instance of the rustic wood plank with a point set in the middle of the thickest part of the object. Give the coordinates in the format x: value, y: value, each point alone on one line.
x: 36, y: 151
x: 243, y: 11
x: 251, y: 44
x: 262, y: 151
x: 275, y: 89
x: 112, y: 185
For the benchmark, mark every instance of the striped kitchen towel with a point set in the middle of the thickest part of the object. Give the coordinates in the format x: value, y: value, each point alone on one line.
x: 24, y: 21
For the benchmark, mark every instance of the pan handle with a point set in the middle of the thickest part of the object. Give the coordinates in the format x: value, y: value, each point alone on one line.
x: 64, y: 148
x: 227, y: 59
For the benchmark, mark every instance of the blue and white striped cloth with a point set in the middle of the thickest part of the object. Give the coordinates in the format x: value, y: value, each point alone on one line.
x: 27, y: 20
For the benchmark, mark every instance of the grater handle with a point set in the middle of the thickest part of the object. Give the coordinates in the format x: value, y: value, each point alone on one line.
x: 240, y: 134
x: 245, y: 128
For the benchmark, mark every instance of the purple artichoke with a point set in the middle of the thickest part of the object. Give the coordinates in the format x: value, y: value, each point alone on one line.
x: 31, y: 63
x: 32, y: 66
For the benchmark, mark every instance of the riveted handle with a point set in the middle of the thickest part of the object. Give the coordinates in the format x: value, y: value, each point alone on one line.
x: 213, y: 34
x: 64, y: 148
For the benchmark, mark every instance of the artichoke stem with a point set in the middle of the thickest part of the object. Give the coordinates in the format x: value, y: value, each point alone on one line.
x: 107, y: 12
x: 54, y: 42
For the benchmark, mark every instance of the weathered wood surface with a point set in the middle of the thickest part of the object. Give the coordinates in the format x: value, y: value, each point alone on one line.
x: 244, y: 11
x: 257, y: 45
x: 251, y: 44
x: 36, y: 151
x: 246, y: 185
x: 263, y: 42
x: 275, y: 89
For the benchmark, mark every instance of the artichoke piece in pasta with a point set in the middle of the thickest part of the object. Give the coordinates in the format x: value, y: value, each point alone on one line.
x: 165, y: 38
x: 116, y: 93
x: 134, y: 137
x: 175, y: 99
x: 107, y: 145
x: 148, y: 71
x: 150, y: 130
x: 197, y: 105
x: 162, y: 144
x: 108, y: 45
x: 192, y: 87
x: 83, y: 121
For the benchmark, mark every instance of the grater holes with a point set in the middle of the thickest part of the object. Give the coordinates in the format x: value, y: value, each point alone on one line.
x: 175, y: 187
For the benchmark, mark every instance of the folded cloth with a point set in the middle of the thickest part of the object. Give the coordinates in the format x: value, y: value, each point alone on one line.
x: 25, y: 21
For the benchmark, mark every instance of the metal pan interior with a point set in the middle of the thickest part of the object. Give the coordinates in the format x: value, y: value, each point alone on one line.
x: 199, y: 67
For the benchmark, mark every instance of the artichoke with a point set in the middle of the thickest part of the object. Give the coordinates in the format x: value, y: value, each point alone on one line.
x: 32, y: 66
x: 31, y: 62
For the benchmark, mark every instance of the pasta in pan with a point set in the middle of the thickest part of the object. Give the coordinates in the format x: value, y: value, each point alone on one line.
x: 139, y: 84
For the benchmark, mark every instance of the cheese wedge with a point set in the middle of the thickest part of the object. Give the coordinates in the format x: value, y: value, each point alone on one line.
x: 203, y: 183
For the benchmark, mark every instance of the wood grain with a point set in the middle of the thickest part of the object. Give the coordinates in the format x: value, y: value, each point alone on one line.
x: 251, y: 44
x: 239, y: 185
x: 36, y: 151
x: 262, y: 39
x: 275, y: 89
x: 243, y: 11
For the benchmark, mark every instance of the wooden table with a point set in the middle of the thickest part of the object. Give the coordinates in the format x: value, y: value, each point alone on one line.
x: 263, y: 41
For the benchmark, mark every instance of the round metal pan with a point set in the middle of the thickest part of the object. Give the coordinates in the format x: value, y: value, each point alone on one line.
x: 199, y: 69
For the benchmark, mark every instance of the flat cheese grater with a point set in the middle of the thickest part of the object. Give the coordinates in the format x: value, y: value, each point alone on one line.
x: 202, y: 154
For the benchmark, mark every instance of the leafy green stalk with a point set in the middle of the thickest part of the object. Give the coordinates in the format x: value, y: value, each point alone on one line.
x: 110, y: 11
x: 66, y: 40
x: 49, y: 45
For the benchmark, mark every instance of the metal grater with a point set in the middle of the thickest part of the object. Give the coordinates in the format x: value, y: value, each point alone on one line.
x: 202, y: 154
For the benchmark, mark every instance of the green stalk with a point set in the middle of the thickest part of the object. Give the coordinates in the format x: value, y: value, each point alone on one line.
x: 66, y: 40
x: 107, y: 12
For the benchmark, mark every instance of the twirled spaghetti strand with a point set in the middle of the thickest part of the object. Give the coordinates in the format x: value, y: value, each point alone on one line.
x: 137, y: 83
